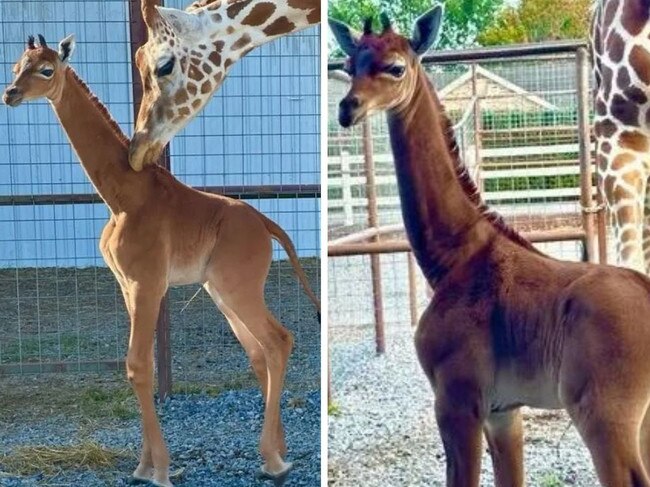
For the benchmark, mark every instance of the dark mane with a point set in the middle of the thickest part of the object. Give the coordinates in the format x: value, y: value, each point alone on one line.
x: 101, y: 108
x: 469, y: 186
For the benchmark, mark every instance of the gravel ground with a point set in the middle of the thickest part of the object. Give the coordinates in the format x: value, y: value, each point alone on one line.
x: 384, y: 431
x: 212, y: 440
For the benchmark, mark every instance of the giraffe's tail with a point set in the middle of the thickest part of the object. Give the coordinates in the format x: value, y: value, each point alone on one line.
x: 283, y: 239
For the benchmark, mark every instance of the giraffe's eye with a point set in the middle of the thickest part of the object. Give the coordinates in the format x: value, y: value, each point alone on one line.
x: 166, y: 68
x: 395, y: 70
x: 47, y: 72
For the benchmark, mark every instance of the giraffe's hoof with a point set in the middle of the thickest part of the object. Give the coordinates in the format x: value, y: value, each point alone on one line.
x: 133, y: 480
x: 278, y: 478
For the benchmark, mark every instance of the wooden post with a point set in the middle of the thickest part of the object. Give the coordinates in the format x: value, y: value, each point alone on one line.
x: 586, y: 173
x: 478, y: 126
x: 138, y: 32
x: 375, y: 264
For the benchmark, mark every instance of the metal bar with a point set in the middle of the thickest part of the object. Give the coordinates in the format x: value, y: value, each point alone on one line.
x: 284, y: 191
x: 138, y: 32
x: 59, y: 367
x: 398, y: 246
x: 373, y: 222
x: 584, y: 141
x: 413, y: 288
x: 492, y: 53
x: 601, y: 227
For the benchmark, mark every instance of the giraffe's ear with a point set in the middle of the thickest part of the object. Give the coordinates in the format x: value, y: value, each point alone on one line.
x: 345, y: 36
x: 427, y: 30
x: 183, y: 23
x: 66, y: 48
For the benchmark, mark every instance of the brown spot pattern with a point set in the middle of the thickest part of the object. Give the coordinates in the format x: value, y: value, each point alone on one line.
x: 621, y: 161
x: 608, y: 74
x: 184, y: 111
x: 279, y: 26
x: 241, y: 42
x: 236, y: 7
x: 635, y: 16
x: 195, y: 73
x: 207, y: 68
x: 228, y: 63
x: 215, y: 58
x: 633, y: 140
x: 259, y: 14
x: 640, y: 62
x: 217, y: 77
x: 606, y: 147
x: 636, y: 95
x: 219, y: 45
x: 615, y: 46
x: 624, y: 110
x: 181, y: 97
x: 623, y: 78
x: 196, y: 104
x: 192, y: 89
x: 216, y: 18
x: 610, y: 12
x: 601, y: 107
x: 206, y: 87
x: 605, y: 128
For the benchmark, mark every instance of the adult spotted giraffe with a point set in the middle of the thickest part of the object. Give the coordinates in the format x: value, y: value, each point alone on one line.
x: 189, y: 53
x: 162, y: 233
x: 621, y: 57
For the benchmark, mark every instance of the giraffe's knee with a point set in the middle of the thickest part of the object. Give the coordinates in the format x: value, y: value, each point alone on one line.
x: 139, y: 368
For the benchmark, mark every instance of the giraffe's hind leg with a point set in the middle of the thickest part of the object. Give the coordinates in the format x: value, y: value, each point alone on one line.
x: 255, y: 354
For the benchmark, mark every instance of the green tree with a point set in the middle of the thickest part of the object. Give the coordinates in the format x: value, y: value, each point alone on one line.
x: 464, y: 19
x: 539, y: 20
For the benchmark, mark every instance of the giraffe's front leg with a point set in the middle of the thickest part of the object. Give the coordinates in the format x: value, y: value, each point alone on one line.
x: 145, y: 306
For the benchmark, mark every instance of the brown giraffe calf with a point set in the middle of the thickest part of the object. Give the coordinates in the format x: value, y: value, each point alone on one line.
x: 508, y: 326
x: 162, y: 233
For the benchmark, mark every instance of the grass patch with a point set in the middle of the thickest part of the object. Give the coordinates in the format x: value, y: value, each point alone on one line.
x: 29, y: 460
x: 333, y: 410
x: 118, y: 403
x: 238, y: 381
x: 551, y: 479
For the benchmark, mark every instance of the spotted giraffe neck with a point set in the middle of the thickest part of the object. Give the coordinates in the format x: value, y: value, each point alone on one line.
x: 621, y: 56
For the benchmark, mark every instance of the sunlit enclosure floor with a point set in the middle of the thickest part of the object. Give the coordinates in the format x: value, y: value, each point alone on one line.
x: 88, y: 434
x: 382, y: 428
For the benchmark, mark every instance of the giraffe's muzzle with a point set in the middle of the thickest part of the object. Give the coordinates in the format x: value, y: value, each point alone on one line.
x: 12, y: 96
x: 143, y: 151
x: 349, y: 111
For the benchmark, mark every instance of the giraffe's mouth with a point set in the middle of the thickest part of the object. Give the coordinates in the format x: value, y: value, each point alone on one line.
x: 144, y: 151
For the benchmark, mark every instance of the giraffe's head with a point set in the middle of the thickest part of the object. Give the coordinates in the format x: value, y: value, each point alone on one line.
x: 188, y: 54
x: 40, y: 72
x: 384, y: 66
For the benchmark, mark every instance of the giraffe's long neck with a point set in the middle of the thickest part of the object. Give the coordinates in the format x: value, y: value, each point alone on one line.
x: 251, y: 23
x: 443, y: 225
x: 100, y: 146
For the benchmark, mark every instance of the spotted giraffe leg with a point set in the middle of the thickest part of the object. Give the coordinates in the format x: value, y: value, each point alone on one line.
x: 625, y: 196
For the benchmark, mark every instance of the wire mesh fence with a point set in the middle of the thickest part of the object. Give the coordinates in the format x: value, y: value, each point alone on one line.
x: 62, y: 309
x: 516, y: 120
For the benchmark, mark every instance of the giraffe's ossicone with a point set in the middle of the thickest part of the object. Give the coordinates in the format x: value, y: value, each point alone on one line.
x: 189, y: 53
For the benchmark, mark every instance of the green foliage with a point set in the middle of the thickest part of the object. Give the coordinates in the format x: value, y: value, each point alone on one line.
x: 516, y: 119
x: 551, y: 480
x: 539, y: 20
x: 333, y: 410
x: 464, y: 19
